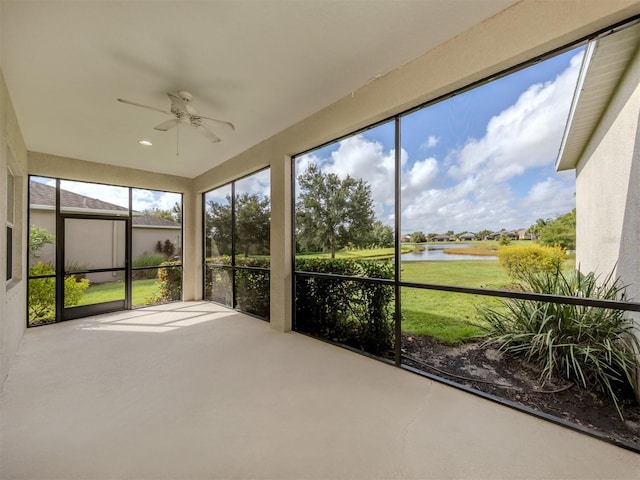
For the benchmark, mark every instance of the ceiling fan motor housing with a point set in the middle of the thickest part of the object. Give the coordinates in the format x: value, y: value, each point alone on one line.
x: 184, y: 95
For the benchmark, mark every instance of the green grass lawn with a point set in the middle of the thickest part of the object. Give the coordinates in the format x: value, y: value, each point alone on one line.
x: 445, y: 316
x: 108, y: 292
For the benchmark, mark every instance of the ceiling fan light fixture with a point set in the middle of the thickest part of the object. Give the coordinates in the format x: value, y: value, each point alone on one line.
x: 183, y: 114
x: 145, y: 143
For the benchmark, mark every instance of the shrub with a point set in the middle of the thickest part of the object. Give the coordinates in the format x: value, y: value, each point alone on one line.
x: 504, y: 240
x: 39, y: 237
x: 594, y: 347
x: 218, y: 280
x: 76, y: 267
x: 521, y: 261
x: 167, y: 249
x: 351, y: 312
x: 170, y: 276
x: 147, y: 260
x: 252, y: 286
x: 42, y: 293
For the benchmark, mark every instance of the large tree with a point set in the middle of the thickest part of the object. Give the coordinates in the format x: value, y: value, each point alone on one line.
x: 174, y: 214
x: 218, y: 228
x: 536, y: 228
x: 332, y: 212
x: 418, y: 237
x: 381, y: 235
x: 561, y: 231
x: 252, y: 225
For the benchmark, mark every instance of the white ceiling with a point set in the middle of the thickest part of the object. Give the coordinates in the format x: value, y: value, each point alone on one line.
x: 261, y: 64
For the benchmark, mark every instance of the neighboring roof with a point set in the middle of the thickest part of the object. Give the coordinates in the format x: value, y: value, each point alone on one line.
x: 44, y: 195
x: 603, y: 66
x: 153, y: 221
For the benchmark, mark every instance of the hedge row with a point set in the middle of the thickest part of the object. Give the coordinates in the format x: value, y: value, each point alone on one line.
x: 351, y: 312
x: 252, y: 286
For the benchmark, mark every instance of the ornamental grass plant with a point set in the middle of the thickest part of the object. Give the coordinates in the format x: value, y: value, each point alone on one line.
x: 594, y: 347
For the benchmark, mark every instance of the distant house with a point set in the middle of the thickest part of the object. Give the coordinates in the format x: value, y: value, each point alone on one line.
x: 405, y: 238
x: 467, y: 237
x: 443, y: 238
x: 147, y: 230
x: 511, y: 235
x: 525, y: 234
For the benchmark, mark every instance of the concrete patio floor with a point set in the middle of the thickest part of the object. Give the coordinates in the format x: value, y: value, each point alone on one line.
x: 195, y: 391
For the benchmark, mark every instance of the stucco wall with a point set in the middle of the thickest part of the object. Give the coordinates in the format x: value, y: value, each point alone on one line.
x: 608, y: 190
x: 13, y: 310
x: 145, y: 239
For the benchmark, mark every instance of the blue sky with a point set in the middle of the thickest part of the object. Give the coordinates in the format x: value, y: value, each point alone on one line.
x: 481, y: 159
x: 258, y: 183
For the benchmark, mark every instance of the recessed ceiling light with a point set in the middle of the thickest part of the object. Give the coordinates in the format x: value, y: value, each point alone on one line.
x: 146, y: 143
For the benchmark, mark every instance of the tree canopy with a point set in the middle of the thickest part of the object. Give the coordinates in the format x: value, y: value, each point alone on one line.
x: 418, y: 237
x: 332, y: 212
x: 381, y: 235
x: 39, y: 237
x: 561, y: 231
x: 252, y: 225
x: 173, y: 214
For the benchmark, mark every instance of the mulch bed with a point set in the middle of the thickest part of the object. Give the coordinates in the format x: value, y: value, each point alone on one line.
x: 485, y: 369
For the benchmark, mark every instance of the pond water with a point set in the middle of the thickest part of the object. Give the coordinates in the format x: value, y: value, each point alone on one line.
x: 436, y: 252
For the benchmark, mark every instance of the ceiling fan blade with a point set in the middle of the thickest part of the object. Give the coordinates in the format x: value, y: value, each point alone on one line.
x: 207, y: 133
x: 219, y: 122
x: 129, y: 102
x: 168, y: 125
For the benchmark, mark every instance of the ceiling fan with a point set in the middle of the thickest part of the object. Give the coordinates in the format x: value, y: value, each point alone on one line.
x: 184, y: 114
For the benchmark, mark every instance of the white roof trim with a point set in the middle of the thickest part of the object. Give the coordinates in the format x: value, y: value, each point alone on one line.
x: 604, y: 65
x: 591, y: 46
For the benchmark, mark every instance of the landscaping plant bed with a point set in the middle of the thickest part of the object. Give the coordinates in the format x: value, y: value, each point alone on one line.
x: 487, y: 370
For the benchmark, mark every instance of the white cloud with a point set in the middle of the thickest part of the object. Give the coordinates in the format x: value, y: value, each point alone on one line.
x: 258, y: 183
x: 151, y: 199
x: 475, y: 190
x: 431, y: 142
x: 525, y: 135
x: 422, y: 174
x: 550, y: 198
x: 107, y: 193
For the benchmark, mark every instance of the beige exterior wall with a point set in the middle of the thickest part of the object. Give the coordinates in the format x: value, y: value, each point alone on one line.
x: 608, y: 189
x: 608, y: 192
x: 146, y: 238
x: 518, y: 34
x: 13, y: 308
